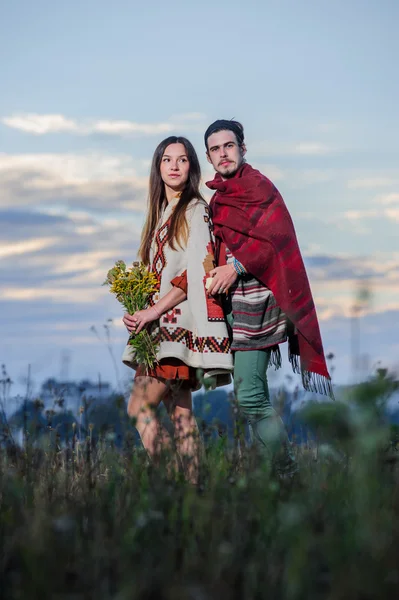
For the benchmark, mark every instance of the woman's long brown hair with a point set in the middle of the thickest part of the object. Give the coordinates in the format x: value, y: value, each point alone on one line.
x: 178, y: 230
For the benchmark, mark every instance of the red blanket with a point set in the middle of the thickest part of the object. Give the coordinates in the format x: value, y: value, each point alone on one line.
x: 251, y: 218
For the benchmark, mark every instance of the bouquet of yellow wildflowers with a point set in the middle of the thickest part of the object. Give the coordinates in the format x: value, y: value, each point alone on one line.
x: 133, y: 288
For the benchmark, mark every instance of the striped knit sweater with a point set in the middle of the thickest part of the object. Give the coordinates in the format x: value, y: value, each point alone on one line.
x: 258, y: 322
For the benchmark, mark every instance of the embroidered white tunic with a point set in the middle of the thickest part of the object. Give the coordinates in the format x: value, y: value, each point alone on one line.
x: 195, y: 330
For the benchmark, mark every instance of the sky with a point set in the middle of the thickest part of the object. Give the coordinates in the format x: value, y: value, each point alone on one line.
x: 87, y: 91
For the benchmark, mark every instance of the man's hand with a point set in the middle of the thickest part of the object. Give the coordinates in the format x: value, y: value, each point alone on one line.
x: 135, y: 323
x: 222, y: 279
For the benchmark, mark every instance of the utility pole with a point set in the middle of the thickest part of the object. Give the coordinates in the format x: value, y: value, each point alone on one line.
x: 361, y: 303
x: 65, y: 365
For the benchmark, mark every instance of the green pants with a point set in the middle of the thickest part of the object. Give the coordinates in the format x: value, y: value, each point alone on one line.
x: 252, y: 392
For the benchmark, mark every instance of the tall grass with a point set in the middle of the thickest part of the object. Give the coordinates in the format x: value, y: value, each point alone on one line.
x: 84, y: 519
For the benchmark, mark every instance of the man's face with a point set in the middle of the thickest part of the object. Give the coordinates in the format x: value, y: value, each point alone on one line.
x: 224, y: 153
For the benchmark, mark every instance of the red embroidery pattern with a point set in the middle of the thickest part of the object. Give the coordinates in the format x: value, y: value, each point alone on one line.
x: 170, y: 316
x: 213, y: 304
x: 159, y: 260
x: 195, y: 344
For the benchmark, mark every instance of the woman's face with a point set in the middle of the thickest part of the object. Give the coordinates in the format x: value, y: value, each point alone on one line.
x: 175, y: 167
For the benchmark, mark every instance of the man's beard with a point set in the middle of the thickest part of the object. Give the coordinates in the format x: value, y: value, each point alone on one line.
x: 231, y: 174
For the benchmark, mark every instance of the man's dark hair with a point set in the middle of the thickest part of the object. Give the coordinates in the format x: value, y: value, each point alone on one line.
x: 223, y: 125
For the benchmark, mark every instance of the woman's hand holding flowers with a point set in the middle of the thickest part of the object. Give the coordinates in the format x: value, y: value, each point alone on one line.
x: 135, y: 323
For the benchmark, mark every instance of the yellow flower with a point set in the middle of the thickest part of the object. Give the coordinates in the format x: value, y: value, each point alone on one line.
x: 134, y: 288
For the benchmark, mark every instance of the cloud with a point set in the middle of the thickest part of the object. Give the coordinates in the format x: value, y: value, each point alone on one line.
x: 393, y: 214
x: 69, y: 248
x: 310, y: 176
x: 101, y: 182
x: 390, y: 202
x: 51, y: 294
x: 337, y: 281
x: 66, y: 219
x: 24, y: 247
x: 71, y: 167
x: 358, y: 215
x: 330, y: 267
x: 41, y: 124
x: 311, y: 149
x: 51, y: 290
x: 327, y: 127
x: 305, y: 177
x: 336, y: 268
x: 37, y: 124
x: 304, y: 148
x: 64, y: 259
x: 127, y: 128
x: 296, y: 179
x: 377, y: 343
x: 364, y: 183
x: 360, y: 220
x: 388, y: 199
x: 271, y: 171
x: 12, y: 218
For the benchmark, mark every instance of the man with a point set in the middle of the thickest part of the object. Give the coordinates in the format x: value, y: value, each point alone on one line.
x: 261, y: 268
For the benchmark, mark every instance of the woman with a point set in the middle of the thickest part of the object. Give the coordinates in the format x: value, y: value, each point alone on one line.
x: 188, y: 324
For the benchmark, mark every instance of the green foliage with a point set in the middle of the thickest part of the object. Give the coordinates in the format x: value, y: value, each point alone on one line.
x: 83, y: 519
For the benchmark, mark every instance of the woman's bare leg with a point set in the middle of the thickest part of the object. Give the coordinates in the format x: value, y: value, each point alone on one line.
x: 144, y: 400
x: 187, y: 438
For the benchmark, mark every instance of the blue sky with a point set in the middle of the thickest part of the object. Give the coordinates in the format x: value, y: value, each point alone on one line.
x: 88, y: 89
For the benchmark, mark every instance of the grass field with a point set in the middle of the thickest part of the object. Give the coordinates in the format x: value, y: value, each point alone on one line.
x: 84, y: 519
